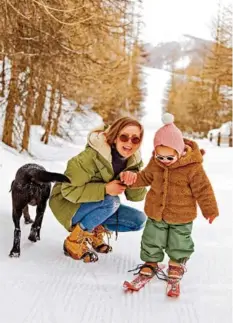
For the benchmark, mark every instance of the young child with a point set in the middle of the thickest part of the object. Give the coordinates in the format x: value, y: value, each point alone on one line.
x: 177, y: 181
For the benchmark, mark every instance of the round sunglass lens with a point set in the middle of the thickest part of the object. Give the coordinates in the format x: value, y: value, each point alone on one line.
x: 124, y: 138
x: 135, y: 140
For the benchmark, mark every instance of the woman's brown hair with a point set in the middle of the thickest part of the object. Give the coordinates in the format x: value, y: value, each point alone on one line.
x: 118, y: 125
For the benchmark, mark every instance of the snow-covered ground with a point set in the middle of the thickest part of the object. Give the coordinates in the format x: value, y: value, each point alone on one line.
x: 44, y: 286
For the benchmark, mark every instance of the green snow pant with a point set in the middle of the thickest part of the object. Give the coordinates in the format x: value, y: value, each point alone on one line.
x: 175, y: 239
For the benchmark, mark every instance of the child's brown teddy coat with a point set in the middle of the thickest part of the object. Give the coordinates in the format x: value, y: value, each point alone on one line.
x: 175, y: 189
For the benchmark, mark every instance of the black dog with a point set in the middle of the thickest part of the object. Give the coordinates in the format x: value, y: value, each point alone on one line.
x: 31, y: 186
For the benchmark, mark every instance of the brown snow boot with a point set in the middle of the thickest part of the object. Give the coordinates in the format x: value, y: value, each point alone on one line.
x: 98, y: 242
x: 76, y: 245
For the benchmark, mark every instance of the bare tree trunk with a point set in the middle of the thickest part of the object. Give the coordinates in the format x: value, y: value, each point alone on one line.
x: 56, y: 121
x: 29, y: 112
x: 40, y: 101
x: 10, y: 109
x: 45, y: 137
x: 3, y: 76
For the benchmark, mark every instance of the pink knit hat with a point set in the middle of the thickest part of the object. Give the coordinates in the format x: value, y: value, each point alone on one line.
x: 169, y: 135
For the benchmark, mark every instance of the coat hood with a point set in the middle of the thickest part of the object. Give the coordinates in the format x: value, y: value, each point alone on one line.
x: 192, y: 154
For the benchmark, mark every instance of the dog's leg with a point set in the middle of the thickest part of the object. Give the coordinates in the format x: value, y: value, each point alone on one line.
x: 27, y: 218
x: 36, y: 226
x: 15, y: 251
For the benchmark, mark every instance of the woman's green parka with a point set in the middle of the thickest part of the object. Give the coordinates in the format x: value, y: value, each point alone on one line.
x: 89, y: 171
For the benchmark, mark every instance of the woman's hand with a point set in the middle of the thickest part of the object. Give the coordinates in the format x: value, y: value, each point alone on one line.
x: 128, y: 178
x: 115, y: 188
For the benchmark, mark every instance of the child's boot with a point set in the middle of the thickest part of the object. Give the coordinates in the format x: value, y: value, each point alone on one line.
x: 149, y: 269
x: 98, y: 242
x: 175, y: 274
x: 76, y: 245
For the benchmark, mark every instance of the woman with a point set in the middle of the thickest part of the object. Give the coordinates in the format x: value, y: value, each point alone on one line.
x: 89, y: 207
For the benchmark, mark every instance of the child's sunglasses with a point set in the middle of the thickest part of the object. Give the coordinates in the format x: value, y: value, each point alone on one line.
x: 170, y: 158
x: 125, y: 138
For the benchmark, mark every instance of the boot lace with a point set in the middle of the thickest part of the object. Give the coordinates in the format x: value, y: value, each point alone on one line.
x: 100, y: 231
x: 160, y: 274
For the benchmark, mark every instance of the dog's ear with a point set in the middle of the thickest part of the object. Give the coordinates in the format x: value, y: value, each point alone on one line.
x: 11, y: 186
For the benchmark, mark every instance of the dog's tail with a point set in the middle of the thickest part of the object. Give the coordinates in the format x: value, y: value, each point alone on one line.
x: 46, y: 177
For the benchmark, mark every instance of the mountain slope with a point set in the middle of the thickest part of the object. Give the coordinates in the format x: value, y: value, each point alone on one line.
x: 186, y: 49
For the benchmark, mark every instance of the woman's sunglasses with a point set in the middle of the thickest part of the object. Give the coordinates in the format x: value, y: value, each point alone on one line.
x: 160, y: 157
x: 125, y: 138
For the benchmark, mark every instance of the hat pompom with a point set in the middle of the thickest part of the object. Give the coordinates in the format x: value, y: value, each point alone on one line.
x: 168, y: 118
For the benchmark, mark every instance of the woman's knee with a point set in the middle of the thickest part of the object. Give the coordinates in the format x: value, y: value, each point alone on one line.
x: 140, y: 220
x: 112, y: 202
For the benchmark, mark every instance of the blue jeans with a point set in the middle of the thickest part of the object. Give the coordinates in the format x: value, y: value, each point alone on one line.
x: 92, y: 214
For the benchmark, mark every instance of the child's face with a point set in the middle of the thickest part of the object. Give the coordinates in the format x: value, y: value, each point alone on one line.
x: 166, y: 155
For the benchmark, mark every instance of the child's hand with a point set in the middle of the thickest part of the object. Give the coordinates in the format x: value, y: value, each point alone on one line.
x: 211, y: 219
x: 128, y: 178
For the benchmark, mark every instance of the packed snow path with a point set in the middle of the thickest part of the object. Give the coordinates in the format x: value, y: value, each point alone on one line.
x: 44, y: 286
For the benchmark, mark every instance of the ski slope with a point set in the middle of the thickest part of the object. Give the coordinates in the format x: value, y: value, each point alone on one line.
x: 44, y: 286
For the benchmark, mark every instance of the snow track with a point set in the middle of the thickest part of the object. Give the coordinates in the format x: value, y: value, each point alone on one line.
x: 44, y: 286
